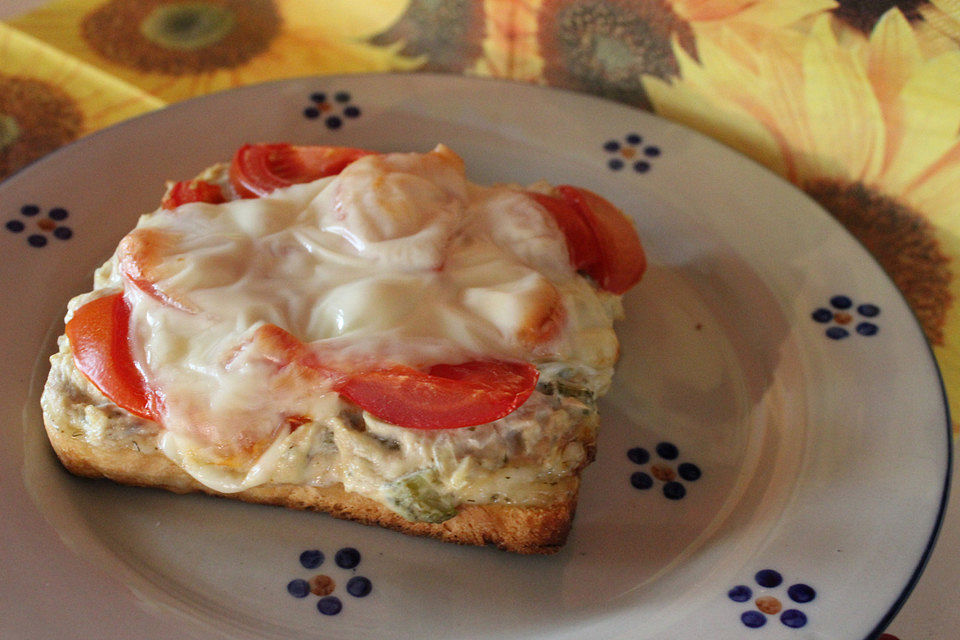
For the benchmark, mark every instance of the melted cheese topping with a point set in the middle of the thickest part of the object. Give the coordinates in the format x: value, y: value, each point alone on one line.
x: 398, y: 259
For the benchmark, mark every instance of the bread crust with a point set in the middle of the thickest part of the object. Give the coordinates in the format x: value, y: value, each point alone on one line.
x: 519, y: 529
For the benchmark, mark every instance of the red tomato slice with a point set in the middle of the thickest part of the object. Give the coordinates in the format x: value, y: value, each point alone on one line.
x: 258, y: 169
x: 445, y: 397
x: 99, y: 337
x: 581, y: 242
x: 192, y: 191
x: 622, y: 258
x: 138, y: 257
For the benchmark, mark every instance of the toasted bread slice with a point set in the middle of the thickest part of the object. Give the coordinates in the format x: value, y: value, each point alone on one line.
x: 433, y: 368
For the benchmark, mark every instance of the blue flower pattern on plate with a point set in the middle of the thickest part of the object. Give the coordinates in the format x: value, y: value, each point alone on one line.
x: 662, y: 469
x: 768, y: 604
x: 843, y: 313
x: 39, y: 229
x: 332, y: 108
x: 631, y: 151
x: 323, y: 586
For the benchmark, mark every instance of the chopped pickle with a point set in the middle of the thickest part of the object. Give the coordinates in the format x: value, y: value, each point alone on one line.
x: 416, y: 496
x: 569, y: 389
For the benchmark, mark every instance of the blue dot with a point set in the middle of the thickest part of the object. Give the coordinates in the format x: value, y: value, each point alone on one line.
x: 611, y: 146
x: 801, y: 593
x: 15, y: 226
x: 639, y: 455
x: 298, y: 588
x: 793, y: 618
x: 311, y: 112
x: 837, y: 333
x: 868, y: 310
x: 352, y: 112
x: 329, y: 605
x: 63, y: 233
x: 822, y: 315
x: 641, y: 166
x: 633, y: 138
x: 311, y: 559
x: 37, y: 240
x: 740, y: 593
x: 641, y: 480
x: 841, y: 302
x: 318, y: 97
x: 333, y: 122
x: 347, y: 558
x: 689, y: 471
x: 674, y: 490
x: 668, y: 451
x: 867, y: 329
x: 29, y: 210
x: 616, y: 164
x: 342, y: 96
x: 58, y: 214
x: 651, y: 152
x: 768, y: 578
x: 753, y: 619
x: 359, y: 587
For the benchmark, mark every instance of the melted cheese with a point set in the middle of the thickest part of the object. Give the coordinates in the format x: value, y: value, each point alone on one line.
x: 398, y: 259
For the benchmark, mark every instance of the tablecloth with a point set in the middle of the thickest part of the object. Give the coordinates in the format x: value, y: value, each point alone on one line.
x: 857, y: 103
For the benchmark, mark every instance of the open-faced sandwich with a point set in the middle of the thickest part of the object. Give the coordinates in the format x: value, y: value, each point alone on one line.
x: 369, y: 335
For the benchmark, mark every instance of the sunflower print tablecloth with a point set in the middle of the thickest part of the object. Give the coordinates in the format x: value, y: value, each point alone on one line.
x: 857, y: 102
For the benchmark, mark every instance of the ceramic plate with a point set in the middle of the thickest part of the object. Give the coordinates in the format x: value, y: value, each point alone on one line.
x: 774, y: 455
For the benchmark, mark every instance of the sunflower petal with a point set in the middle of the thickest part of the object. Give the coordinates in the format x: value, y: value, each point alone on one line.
x: 846, y: 120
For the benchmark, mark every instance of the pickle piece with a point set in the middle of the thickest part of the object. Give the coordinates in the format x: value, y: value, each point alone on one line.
x: 417, y: 496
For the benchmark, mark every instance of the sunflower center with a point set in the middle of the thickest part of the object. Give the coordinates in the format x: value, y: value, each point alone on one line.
x: 9, y: 131
x: 187, y: 26
x: 36, y: 117
x: 606, y: 46
x: 181, y: 38
x: 614, y: 53
x: 902, y: 241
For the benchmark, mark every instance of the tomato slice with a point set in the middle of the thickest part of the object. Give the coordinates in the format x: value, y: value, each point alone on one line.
x: 581, y: 241
x: 138, y: 259
x: 622, y: 258
x: 99, y: 337
x: 445, y: 397
x: 192, y: 191
x: 259, y: 169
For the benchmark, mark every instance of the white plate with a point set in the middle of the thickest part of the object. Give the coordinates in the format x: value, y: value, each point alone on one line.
x: 823, y: 462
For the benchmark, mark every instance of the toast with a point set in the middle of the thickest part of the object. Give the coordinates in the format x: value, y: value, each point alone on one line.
x: 372, y: 336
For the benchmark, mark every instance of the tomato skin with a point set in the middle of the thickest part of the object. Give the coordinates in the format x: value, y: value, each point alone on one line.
x: 259, y: 169
x: 192, y: 191
x: 581, y: 241
x: 445, y: 397
x: 99, y: 338
x: 622, y: 258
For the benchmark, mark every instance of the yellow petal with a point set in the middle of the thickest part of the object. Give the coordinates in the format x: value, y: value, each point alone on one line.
x: 936, y: 191
x: 930, y: 101
x: 893, y: 55
x: 845, y: 120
